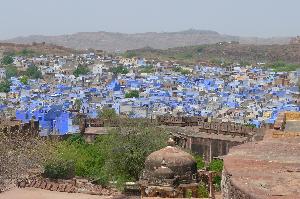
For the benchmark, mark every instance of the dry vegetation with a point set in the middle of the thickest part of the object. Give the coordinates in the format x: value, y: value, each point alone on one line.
x: 19, y: 154
x: 36, y: 49
x: 224, y: 52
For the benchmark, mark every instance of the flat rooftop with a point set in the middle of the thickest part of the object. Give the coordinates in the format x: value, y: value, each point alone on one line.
x: 266, y: 169
x: 33, y: 193
x: 292, y: 126
x: 194, y: 132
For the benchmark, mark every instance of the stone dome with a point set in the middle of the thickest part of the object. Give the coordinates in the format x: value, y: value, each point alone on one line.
x: 164, y: 173
x: 181, y: 163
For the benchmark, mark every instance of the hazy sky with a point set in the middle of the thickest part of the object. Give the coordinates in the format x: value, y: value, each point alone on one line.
x: 236, y: 17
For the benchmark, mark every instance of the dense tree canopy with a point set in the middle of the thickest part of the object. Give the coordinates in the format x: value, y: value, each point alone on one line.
x: 107, y: 113
x: 81, y: 70
x: 181, y: 70
x: 147, y: 69
x: 216, y: 165
x: 24, y: 79
x: 118, y: 156
x: 119, y: 70
x: 132, y: 94
x: 11, y: 71
x: 77, y: 104
x: 7, y: 60
x: 33, y: 72
x: 281, y: 66
x: 5, y: 86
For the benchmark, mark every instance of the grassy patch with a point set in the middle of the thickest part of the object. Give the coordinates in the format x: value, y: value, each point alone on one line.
x: 284, y: 67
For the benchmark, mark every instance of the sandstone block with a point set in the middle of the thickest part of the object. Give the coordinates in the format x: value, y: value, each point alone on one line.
x: 54, y: 187
x: 62, y: 187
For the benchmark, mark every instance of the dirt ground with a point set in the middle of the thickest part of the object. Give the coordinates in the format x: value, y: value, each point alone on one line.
x: 32, y: 193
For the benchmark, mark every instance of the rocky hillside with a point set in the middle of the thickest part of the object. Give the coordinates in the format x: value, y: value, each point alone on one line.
x: 109, y: 41
x: 224, y: 52
x: 38, y: 48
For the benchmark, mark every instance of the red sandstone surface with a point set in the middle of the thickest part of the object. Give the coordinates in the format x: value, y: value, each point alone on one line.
x: 266, y: 169
x: 33, y: 193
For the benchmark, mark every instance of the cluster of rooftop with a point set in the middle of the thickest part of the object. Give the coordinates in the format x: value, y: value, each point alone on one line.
x: 240, y: 94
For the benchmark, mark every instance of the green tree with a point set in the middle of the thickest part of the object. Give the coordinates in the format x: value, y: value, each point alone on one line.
x: 181, y: 70
x: 202, y: 191
x: 107, y: 113
x: 87, y: 159
x: 216, y: 165
x: 217, y: 182
x: 26, y: 52
x: 128, y: 148
x: 59, y: 169
x: 5, y: 86
x: 132, y: 94
x: 77, y: 104
x: 118, y: 156
x: 7, y: 60
x: 119, y: 70
x: 185, y: 72
x: 11, y: 71
x: 188, y: 193
x: 33, y: 72
x: 245, y: 63
x: 130, y: 54
x: 199, y: 161
x: 281, y: 66
x: 24, y: 80
x: 147, y: 69
x: 81, y: 70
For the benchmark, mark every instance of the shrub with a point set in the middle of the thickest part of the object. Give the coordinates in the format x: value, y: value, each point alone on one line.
x: 118, y: 156
x: 33, y: 72
x: 20, y: 153
x: 181, y: 70
x: 119, y: 70
x: 199, y: 161
x: 7, y: 60
x: 59, y: 169
x: 216, y: 165
x: 81, y: 70
x: 11, y: 71
x: 147, y: 69
x: 202, y: 191
x: 5, y: 86
x: 217, y: 182
x: 281, y: 66
x: 188, y: 193
x: 107, y: 113
x: 130, y: 54
x: 24, y: 80
x: 132, y: 94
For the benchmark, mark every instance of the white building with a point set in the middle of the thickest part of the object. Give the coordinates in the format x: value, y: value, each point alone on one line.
x: 2, y: 73
x: 97, y: 69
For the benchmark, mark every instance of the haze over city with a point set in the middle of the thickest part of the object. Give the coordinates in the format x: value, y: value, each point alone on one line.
x: 265, y: 18
x: 131, y: 99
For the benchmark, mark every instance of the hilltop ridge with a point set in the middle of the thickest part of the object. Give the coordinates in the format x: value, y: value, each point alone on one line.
x: 115, y: 41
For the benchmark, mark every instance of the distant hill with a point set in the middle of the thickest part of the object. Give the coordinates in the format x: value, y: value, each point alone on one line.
x: 289, y: 53
x: 36, y: 48
x: 110, y: 41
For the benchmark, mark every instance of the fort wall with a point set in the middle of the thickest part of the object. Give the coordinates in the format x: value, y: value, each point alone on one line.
x: 17, y: 127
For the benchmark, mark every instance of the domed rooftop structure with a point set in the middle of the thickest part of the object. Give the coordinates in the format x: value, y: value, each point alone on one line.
x: 170, y: 161
x: 164, y: 172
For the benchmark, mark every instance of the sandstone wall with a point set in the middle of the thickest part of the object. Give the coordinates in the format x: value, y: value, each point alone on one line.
x: 230, y: 190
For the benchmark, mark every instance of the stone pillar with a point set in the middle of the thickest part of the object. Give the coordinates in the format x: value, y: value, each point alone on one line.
x: 210, y: 150
x: 227, y: 148
x: 211, y: 186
